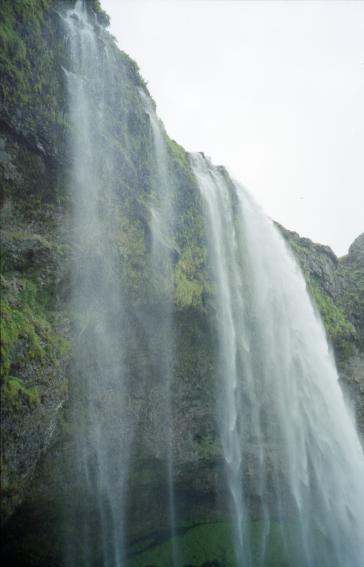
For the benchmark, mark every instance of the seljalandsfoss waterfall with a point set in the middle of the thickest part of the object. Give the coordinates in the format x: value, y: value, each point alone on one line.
x: 288, y: 442
x: 203, y: 414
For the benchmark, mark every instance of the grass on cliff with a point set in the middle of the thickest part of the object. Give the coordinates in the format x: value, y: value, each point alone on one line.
x: 26, y: 337
x: 189, y: 285
x: 339, y: 329
x: 15, y: 393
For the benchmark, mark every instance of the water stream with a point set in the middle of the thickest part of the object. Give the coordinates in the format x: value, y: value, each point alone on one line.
x: 286, y: 433
x: 98, y: 385
x: 162, y: 228
x: 292, y: 457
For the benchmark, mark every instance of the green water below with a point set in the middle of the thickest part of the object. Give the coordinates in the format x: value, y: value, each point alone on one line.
x: 212, y: 545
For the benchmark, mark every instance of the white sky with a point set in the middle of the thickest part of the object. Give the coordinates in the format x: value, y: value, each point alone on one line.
x: 272, y: 90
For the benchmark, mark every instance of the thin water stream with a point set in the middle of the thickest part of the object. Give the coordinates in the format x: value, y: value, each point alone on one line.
x: 162, y: 228
x: 98, y: 386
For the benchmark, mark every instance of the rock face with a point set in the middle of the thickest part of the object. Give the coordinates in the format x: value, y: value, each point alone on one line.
x: 34, y: 326
x: 38, y: 445
x: 38, y: 441
x: 337, y: 288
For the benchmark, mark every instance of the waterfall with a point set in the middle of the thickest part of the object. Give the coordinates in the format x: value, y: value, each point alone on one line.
x: 101, y: 428
x: 292, y: 455
x: 293, y: 464
x: 106, y: 330
x: 162, y: 228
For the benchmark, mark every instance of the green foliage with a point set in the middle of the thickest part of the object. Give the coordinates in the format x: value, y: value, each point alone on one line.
x: 339, y: 329
x: 12, y: 55
x: 31, y: 82
x: 343, y: 317
x: 102, y: 17
x: 18, y: 322
x: 189, y: 286
x: 14, y: 394
x: 24, y: 321
x: 14, y: 52
x: 351, y: 300
x: 178, y: 154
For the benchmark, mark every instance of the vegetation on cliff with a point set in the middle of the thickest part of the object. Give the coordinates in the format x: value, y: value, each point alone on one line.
x: 336, y: 286
x: 32, y: 88
x: 339, y: 329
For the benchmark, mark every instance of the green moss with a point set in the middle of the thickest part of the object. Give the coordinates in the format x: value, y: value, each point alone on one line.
x: 15, y: 394
x: 18, y: 322
x: 102, y: 16
x: 343, y: 316
x: 27, y: 28
x: 339, y: 329
x: 23, y: 318
x: 178, y: 154
x: 189, y: 286
x: 14, y: 50
x: 351, y: 300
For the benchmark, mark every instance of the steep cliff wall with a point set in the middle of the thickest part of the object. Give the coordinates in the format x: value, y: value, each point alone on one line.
x: 37, y: 439
x: 337, y: 288
x: 33, y: 317
x: 36, y: 252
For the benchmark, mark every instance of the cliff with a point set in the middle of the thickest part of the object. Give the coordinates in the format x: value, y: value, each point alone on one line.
x: 337, y: 288
x: 37, y: 437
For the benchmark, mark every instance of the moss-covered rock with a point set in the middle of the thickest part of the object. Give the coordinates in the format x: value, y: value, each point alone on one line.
x: 33, y: 383
x: 189, y: 283
x: 338, y: 327
x: 336, y: 286
x: 34, y: 322
x: 351, y: 278
x: 32, y: 103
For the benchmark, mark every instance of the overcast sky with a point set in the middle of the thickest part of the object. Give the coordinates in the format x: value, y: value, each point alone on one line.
x: 272, y: 90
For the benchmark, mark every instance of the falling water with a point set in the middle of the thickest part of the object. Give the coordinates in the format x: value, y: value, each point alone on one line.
x: 101, y: 390
x: 292, y: 456
x: 162, y: 228
x: 293, y: 461
x: 99, y: 417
